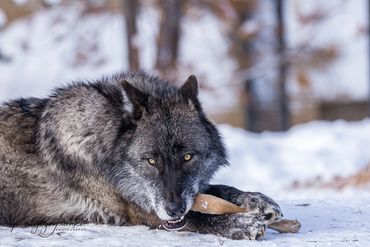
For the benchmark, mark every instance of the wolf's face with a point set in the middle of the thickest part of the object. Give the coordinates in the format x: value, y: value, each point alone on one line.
x: 173, y: 152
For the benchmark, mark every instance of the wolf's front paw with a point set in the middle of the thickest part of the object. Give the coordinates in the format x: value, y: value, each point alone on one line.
x: 233, y: 226
x: 255, y: 202
x: 242, y: 226
x: 259, y: 204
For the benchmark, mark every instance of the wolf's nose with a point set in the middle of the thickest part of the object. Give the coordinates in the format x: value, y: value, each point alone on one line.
x: 175, y: 209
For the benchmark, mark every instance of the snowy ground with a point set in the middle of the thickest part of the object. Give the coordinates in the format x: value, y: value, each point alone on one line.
x: 268, y: 162
x: 273, y: 161
x: 327, y: 220
x: 331, y: 220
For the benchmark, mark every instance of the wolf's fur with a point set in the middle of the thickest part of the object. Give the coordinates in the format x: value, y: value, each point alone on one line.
x: 80, y: 156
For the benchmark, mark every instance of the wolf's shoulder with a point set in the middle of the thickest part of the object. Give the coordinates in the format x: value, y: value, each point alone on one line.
x: 30, y: 107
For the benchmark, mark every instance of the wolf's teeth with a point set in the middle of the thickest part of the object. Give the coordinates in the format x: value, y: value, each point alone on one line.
x: 176, y: 221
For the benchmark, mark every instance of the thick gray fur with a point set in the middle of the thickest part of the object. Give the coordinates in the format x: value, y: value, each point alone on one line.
x: 81, y: 156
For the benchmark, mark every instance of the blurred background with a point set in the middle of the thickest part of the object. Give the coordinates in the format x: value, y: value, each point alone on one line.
x: 263, y: 65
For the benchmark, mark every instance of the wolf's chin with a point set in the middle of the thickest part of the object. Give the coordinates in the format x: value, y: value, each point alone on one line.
x: 179, y: 223
x: 169, y: 223
x: 174, y: 225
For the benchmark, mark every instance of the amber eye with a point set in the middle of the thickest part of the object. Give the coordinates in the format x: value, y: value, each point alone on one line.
x: 152, y: 161
x: 187, y: 157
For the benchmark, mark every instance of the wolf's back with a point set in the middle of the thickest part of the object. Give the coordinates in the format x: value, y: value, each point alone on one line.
x: 19, y: 161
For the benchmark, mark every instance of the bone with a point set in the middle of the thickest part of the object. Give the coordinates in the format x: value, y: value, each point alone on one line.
x: 285, y: 226
x: 209, y: 204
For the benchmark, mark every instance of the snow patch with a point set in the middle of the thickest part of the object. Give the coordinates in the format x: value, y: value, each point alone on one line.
x: 271, y: 161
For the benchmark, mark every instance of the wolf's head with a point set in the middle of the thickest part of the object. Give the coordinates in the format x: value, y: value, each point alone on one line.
x: 151, y: 140
x: 171, y: 151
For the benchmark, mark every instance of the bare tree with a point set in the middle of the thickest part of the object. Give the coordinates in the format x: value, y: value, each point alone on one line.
x: 368, y: 16
x: 130, y: 9
x: 271, y: 113
x: 169, y: 36
x: 282, y: 68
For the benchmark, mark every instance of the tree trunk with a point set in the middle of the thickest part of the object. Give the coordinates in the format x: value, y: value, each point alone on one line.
x: 169, y: 37
x: 368, y: 24
x: 282, y: 68
x: 267, y: 104
x: 130, y: 9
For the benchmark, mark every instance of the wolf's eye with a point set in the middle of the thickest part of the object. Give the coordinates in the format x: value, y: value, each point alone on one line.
x: 187, y: 157
x: 152, y: 161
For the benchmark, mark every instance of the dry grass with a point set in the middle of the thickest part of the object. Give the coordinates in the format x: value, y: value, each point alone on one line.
x: 359, y: 179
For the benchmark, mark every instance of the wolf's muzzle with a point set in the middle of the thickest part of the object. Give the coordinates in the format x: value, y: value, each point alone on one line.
x: 176, y: 209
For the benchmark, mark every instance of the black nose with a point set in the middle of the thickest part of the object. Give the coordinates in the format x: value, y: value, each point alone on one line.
x: 175, y: 209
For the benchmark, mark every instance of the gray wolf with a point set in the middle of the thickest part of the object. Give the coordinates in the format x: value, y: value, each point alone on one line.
x: 130, y: 149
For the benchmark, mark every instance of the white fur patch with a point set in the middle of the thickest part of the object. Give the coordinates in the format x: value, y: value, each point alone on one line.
x: 127, y: 104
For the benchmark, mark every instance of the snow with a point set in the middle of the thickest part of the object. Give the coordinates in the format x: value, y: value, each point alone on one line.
x: 271, y: 160
x: 347, y: 77
x: 265, y: 162
x: 204, y: 52
x: 3, y: 18
x: 148, y: 30
x: 20, y: 2
x: 42, y: 51
x: 333, y: 220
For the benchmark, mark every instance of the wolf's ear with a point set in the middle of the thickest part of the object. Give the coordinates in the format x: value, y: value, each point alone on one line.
x: 137, y: 98
x: 190, y: 88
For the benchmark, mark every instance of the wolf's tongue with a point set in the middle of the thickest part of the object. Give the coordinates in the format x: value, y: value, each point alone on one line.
x: 174, y: 225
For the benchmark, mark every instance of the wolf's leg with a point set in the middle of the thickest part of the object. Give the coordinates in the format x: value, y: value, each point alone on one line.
x: 233, y: 226
x: 262, y: 211
x: 256, y: 203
